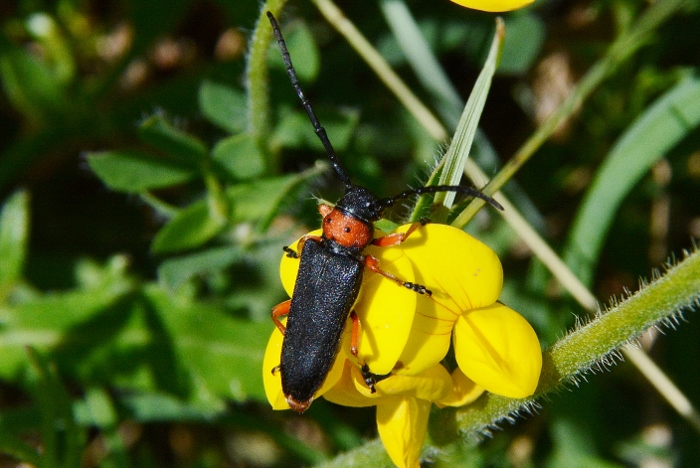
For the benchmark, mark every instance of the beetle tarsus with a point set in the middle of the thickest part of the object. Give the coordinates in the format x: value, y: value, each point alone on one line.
x: 290, y: 252
x: 372, y: 379
x: 419, y: 288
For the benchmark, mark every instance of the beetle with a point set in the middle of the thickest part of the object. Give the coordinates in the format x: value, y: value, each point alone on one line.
x: 331, y: 268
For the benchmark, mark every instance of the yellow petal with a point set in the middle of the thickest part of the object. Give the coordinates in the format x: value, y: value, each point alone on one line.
x: 496, y: 348
x: 290, y: 266
x: 493, y: 5
x: 462, y: 272
x: 385, y: 309
x: 344, y: 391
x: 273, y: 381
x: 433, y: 384
x: 427, y: 344
x: 402, y: 423
x: 464, y: 391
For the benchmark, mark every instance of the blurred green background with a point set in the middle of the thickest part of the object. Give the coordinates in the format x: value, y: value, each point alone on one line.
x: 144, y: 214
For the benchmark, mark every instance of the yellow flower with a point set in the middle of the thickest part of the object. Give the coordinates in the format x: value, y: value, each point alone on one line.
x: 407, y: 336
x: 493, y: 5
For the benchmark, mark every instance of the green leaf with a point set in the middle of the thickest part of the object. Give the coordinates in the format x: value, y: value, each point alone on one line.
x: 157, y: 131
x: 146, y: 340
x: 190, y: 228
x: 136, y: 172
x: 223, y: 106
x: 175, y: 271
x: 422, y: 59
x: 29, y: 84
x: 649, y: 138
x: 240, y: 157
x: 62, y: 439
x: 44, y: 321
x: 295, y: 131
x: 300, y: 43
x: 257, y: 201
x: 522, y: 44
x: 148, y: 407
x: 217, y: 349
x: 15, y: 422
x: 14, y: 229
x: 456, y: 156
x: 104, y: 416
x: 261, y: 200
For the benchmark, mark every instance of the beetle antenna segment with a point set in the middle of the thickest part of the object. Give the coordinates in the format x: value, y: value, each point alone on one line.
x: 320, y: 131
x: 387, y: 202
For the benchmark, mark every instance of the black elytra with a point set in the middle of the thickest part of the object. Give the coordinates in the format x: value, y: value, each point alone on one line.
x: 331, y: 267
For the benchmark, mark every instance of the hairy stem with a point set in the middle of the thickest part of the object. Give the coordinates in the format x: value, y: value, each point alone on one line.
x: 257, y: 80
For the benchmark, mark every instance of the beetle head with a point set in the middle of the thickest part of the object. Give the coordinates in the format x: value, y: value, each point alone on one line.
x: 361, y: 204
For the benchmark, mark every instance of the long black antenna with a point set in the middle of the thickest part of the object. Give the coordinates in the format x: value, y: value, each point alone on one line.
x: 320, y: 131
x: 387, y: 202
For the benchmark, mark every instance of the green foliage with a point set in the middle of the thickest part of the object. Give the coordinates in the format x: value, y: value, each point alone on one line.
x: 155, y: 159
x: 135, y: 172
x: 665, y: 123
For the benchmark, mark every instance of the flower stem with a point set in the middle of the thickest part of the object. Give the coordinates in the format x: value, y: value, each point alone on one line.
x: 257, y: 80
x: 591, y: 345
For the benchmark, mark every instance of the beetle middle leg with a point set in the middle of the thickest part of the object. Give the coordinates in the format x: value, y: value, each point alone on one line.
x: 278, y: 311
x: 372, y: 264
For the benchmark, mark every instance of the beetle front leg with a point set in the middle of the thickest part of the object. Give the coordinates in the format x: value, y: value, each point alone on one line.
x: 291, y: 253
x: 278, y: 311
x: 398, y: 237
x: 372, y: 264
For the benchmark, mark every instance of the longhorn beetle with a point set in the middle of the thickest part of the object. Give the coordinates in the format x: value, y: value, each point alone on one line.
x: 330, y: 272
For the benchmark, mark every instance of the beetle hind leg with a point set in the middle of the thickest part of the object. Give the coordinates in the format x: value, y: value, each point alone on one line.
x: 356, y: 333
x: 372, y: 264
x: 419, y: 288
x: 278, y: 311
x: 372, y: 379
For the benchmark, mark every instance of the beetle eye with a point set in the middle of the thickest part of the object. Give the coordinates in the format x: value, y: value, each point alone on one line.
x: 328, y: 220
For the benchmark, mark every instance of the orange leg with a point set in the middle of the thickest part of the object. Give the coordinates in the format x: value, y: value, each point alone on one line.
x: 278, y: 311
x: 300, y: 245
x: 398, y: 237
x: 372, y: 264
x: 356, y: 333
